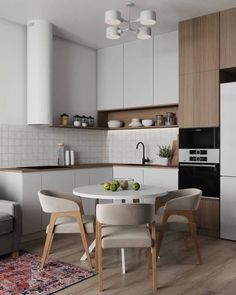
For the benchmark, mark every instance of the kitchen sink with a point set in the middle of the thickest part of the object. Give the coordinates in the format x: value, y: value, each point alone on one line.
x: 42, y: 167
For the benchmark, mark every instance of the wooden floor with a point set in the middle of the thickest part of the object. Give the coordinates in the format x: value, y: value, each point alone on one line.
x: 177, y: 271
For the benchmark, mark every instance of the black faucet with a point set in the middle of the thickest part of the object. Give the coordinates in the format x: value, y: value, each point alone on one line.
x: 144, y: 160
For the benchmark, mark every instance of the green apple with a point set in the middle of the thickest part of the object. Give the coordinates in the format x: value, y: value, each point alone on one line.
x: 107, y: 186
x: 116, y: 182
x: 113, y: 187
x: 135, y: 186
x: 124, y: 184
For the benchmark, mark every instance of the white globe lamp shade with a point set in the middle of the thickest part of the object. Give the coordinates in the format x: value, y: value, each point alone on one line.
x: 144, y: 33
x: 113, y: 17
x: 148, y: 17
x: 113, y: 33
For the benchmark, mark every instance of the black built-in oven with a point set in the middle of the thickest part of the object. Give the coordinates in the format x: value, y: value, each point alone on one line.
x: 199, y: 160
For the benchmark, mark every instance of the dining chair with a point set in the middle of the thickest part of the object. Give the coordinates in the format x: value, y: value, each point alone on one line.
x: 175, y: 212
x: 125, y: 226
x: 67, y: 217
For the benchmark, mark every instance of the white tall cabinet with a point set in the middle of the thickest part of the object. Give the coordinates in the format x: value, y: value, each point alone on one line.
x: 166, y: 69
x: 138, y: 73
x: 110, y: 78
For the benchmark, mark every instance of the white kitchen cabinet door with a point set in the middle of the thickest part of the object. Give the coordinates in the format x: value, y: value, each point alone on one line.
x: 31, y: 208
x: 110, y: 78
x: 166, y: 69
x: 163, y: 177
x: 81, y: 179
x: 227, y: 208
x: 99, y: 176
x: 62, y: 181
x: 138, y: 73
x: 227, y: 129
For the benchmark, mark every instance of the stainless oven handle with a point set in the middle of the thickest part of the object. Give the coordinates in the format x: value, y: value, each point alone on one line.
x: 197, y: 165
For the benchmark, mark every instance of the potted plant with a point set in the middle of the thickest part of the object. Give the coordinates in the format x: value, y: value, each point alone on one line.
x: 166, y: 154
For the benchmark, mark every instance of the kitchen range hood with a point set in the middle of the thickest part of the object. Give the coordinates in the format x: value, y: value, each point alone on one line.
x: 39, y: 72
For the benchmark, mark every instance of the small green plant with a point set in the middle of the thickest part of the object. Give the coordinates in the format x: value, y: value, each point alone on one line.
x: 165, y: 151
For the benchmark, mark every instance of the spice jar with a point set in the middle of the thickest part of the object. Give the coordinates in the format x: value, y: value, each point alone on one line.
x: 159, y: 120
x: 77, y: 120
x: 84, y: 121
x: 91, y: 121
x: 64, y: 119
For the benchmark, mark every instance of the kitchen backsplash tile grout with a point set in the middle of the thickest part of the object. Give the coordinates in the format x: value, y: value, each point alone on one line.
x: 22, y: 145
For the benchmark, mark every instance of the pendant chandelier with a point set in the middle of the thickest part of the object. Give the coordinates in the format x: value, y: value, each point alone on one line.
x: 114, y: 19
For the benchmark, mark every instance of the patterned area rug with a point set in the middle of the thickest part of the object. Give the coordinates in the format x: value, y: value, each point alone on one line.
x: 23, y: 275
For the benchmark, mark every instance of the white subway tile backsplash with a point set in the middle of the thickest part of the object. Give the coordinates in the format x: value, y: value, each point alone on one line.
x: 37, y: 145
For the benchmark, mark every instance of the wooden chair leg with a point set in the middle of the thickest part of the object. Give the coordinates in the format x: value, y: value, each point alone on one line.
x: 161, y: 235
x: 48, y: 241
x: 96, y: 248
x: 50, y: 244
x: 195, y: 240
x: 15, y: 254
x: 84, y: 241
x: 99, y: 252
x: 154, y: 258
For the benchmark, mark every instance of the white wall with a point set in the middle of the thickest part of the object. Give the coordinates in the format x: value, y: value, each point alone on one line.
x: 12, y: 73
x: 74, y: 79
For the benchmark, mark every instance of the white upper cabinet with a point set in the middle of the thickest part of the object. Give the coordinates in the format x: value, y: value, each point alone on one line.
x: 110, y: 78
x: 138, y: 73
x: 166, y: 69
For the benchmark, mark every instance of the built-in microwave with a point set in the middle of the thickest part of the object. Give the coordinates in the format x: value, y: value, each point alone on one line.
x: 199, y: 138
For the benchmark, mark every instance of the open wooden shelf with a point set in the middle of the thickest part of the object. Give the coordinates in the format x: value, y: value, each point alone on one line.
x: 112, y: 129
x: 125, y: 115
x: 143, y: 127
x: 79, y: 128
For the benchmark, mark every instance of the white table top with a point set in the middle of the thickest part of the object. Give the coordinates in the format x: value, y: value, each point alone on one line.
x: 98, y: 192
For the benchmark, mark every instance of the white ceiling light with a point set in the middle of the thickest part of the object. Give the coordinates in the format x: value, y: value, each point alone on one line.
x: 113, y: 18
x: 148, y: 17
x: 113, y: 33
x: 144, y: 33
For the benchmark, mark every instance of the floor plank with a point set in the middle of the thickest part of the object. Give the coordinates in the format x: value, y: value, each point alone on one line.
x: 178, y: 273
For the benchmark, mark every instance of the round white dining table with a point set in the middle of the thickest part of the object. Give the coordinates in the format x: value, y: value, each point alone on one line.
x: 98, y: 192
x: 145, y: 194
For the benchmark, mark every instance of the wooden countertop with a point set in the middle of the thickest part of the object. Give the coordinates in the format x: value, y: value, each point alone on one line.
x: 81, y: 166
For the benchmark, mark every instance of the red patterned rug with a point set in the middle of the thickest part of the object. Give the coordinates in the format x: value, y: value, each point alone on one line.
x: 23, y: 275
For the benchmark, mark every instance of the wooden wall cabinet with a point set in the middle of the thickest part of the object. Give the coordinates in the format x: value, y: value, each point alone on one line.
x: 199, y: 72
x: 199, y: 44
x: 199, y: 100
x: 228, y: 38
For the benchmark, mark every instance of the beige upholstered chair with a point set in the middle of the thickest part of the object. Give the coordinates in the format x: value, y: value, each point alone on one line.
x: 67, y: 217
x: 177, y: 214
x: 118, y: 226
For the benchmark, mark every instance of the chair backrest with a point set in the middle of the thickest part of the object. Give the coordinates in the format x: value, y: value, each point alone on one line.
x: 124, y: 214
x: 52, y: 201
x: 184, y: 199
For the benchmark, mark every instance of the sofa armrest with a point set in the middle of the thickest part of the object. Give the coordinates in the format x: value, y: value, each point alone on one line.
x: 9, y: 207
x: 13, y: 209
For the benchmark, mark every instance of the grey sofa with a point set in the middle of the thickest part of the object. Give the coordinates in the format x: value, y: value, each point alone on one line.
x: 10, y: 227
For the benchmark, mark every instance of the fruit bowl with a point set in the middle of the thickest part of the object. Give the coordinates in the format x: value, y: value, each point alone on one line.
x: 123, y: 183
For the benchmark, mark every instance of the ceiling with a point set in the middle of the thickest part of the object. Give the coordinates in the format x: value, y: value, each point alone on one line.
x: 82, y: 21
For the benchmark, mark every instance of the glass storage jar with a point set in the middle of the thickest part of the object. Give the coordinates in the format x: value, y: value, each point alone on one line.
x: 64, y: 119
x: 77, y: 121
x: 91, y: 121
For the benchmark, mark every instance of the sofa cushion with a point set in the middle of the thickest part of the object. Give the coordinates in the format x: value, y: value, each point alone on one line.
x: 6, y: 223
